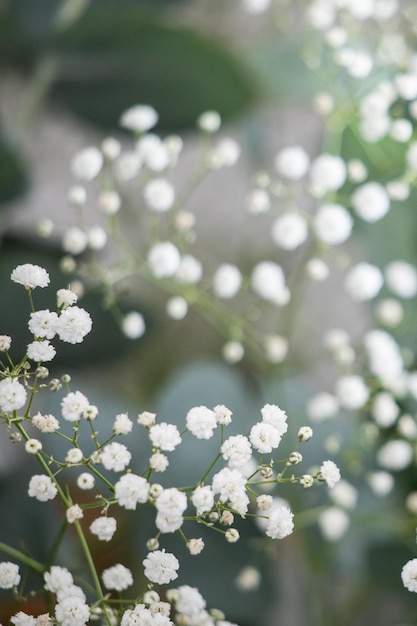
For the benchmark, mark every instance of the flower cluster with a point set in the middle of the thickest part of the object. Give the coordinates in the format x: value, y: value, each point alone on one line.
x: 237, y: 483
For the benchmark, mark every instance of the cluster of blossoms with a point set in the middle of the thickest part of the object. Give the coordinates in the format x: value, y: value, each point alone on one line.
x: 249, y: 469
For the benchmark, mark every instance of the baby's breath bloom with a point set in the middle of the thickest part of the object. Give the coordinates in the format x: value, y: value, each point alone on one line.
x: 45, y: 423
x: 117, y: 577
x: 227, y: 280
x: 195, y: 546
x: 222, y: 414
x: 188, y: 600
x: 74, y: 240
x: 203, y: 499
x: 232, y: 535
x: 265, y: 437
x: 57, y: 578
x: 33, y: 446
x: 363, y: 282
x: 5, y: 343
x: 131, y: 489
x: 72, y: 611
x: 74, y: 513
x: 327, y: 173
x: 73, y: 324
x: 370, y: 201
x: 12, y: 395
x: 330, y: 473
x: 209, y: 121
x: 139, y: 118
x: 409, y: 575
x: 42, y: 488
x: 9, y: 575
x: 115, y: 456
x: 133, y: 325
x: 201, y: 422
x: 30, y: 276
x: 236, y: 450
x: 395, y: 455
x: 65, y: 298
x: 122, y: 424
x: 305, y: 433
x: 159, y: 194
x: 280, y: 523
x: 292, y: 162
x: 268, y: 282
x: 104, y: 528
x: 161, y: 567
x: 74, y: 455
x: 401, y: 279
x: 272, y: 414
x: 158, y: 462
x: 43, y: 324
x: 146, y: 418
x: 164, y: 259
x: 289, y: 231
x: 40, y: 351
x: 87, y: 163
x: 73, y: 406
x: 333, y: 224
x: 85, y: 481
x: 165, y: 436
x: 333, y: 523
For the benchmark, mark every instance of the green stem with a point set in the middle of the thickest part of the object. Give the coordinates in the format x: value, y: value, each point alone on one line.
x: 22, y: 557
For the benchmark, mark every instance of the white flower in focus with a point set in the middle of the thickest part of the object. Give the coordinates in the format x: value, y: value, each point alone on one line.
x: 73, y: 324
x: 165, y: 436
x: 23, y: 619
x: 409, y: 575
x: 117, y: 577
x: 72, y: 612
x: 74, y: 513
x: 222, y: 414
x: 42, y: 488
x: 158, y: 462
x: 57, y: 578
x: 45, y: 423
x: 195, y: 546
x: 371, y: 202
x: 72, y: 591
x: 115, y: 456
x: 164, y: 259
x: 280, y: 523
x: 65, y: 298
x: 40, y: 351
x: 73, y: 406
x: 236, y: 450
x: 203, y: 499
x: 322, y: 406
x: 333, y: 523
x: 43, y: 324
x: 104, y: 528
x: 333, y: 224
x: 9, y: 575
x: 30, y: 276
x: 201, y: 422
x: 130, y: 490
x: 12, y: 395
x: 264, y: 437
x: 268, y: 282
x: 87, y: 163
x: 146, y: 418
x: 363, y: 282
x: 5, y: 343
x: 161, y: 567
x: 133, y: 325
x: 170, y: 504
x: 401, y: 279
x: 330, y: 473
x: 272, y: 414
x: 85, y: 481
x: 33, y: 446
x: 159, y: 194
x: 231, y: 485
x: 289, y: 231
x: 395, y: 455
x: 139, y: 118
x: 122, y: 424
x: 352, y: 391
x: 327, y: 173
x: 292, y: 162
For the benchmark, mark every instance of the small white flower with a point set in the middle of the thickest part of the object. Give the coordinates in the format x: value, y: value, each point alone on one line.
x: 43, y: 324
x: 57, y: 578
x: 30, y: 276
x: 5, y: 343
x: 272, y: 414
x: 74, y: 240
x: 159, y: 195
x: 74, y: 455
x: 23, y: 619
x: 333, y: 224
x: 203, y: 499
x: 292, y: 162
x: 195, y: 546
x: 305, y: 433
x: 322, y: 406
x: 117, y: 577
x: 236, y: 450
x: 33, y: 446
x: 363, y: 282
x: 115, y: 456
x: 165, y: 436
x: 12, y: 395
x: 109, y: 202
x: 73, y: 406
x: 401, y: 279
x: 232, y: 535
x: 395, y: 455
x: 122, y: 424
x: 131, y: 489
x: 104, y: 528
x: 189, y: 271
x: 409, y: 575
x: 73, y: 324
x: 158, y: 462
x: 65, y: 298
x: 330, y: 473
x: 327, y: 173
x: 280, y: 523
x: 268, y: 282
x: 85, y: 481
x: 40, y: 351
x: 333, y: 523
x: 289, y: 231
x: 222, y: 414
x: 233, y: 351
x: 139, y: 118
x: 74, y: 513
x: 161, y: 567
x: 370, y: 202
x: 201, y: 422
x: 209, y: 121
x: 146, y: 418
x: 265, y: 437
x: 87, y: 163
x: 133, y: 325
x: 177, y: 307
x: 45, y: 423
x: 225, y: 154
x: 9, y: 575
x: 164, y: 259
x: 42, y: 488
x: 72, y: 611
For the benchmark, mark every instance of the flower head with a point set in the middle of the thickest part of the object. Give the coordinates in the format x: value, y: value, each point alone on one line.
x: 30, y: 276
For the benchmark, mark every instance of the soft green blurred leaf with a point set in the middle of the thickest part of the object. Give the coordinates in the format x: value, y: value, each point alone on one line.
x: 14, y: 180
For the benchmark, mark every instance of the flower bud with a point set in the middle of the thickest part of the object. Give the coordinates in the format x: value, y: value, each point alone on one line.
x: 305, y: 433
x: 294, y: 458
x: 232, y: 535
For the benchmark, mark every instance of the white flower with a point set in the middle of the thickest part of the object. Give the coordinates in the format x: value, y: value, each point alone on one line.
x: 395, y: 455
x: 264, y: 437
x: 327, y: 173
x: 322, y: 406
x: 344, y: 494
x: 153, y: 152
x: 333, y: 224
x: 42, y: 488
x: 40, y: 351
x: 33, y: 446
x: 12, y: 395
x: 233, y: 351
x: 171, y: 501
x: 85, y: 481
x: 87, y: 163
x: 165, y: 436
x: 133, y: 325
x: 146, y: 418
x: 30, y: 276
x: 292, y: 162
x: 43, y: 323
x: 236, y: 450
x: 370, y: 202
x: 385, y: 360
x: 333, y: 523
x: 9, y: 575
x: 161, y: 567
x: 381, y: 483
x: 389, y: 311
x: 203, y: 499
x: 258, y: 201
x: 57, y: 578
x: 177, y: 307
x: 23, y: 619
x: 363, y: 282
x: 189, y: 600
x: 231, y: 486
x: 222, y: 414
x: 115, y: 456
x: 272, y: 414
x: 352, y: 391
x: 73, y: 406
x: 65, y: 298
x: 74, y: 240
x: 411, y: 157
x: 45, y: 423
x: 268, y: 282
x: 225, y: 154
x: 131, y: 489
x: 159, y: 195
x: 189, y: 271
x: 139, y: 118
x: 109, y: 202
x: 280, y: 523
x: 73, y: 324
x: 385, y: 410
x: 209, y: 121
x: 330, y: 473
x: 74, y: 513
x: 305, y: 433
x: 164, y: 259
x: 71, y: 591
x: 401, y: 278
x: 158, y: 462
x: 97, y: 238
x: 72, y: 612
x: 104, y: 528
x: 289, y: 231
x: 122, y: 424
x: 409, y: 575
x: 117, y: 577
x: 201, y: 422
x: 5, y: 343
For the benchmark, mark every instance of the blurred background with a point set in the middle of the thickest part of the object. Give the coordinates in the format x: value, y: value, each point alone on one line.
x: 68, y: 68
